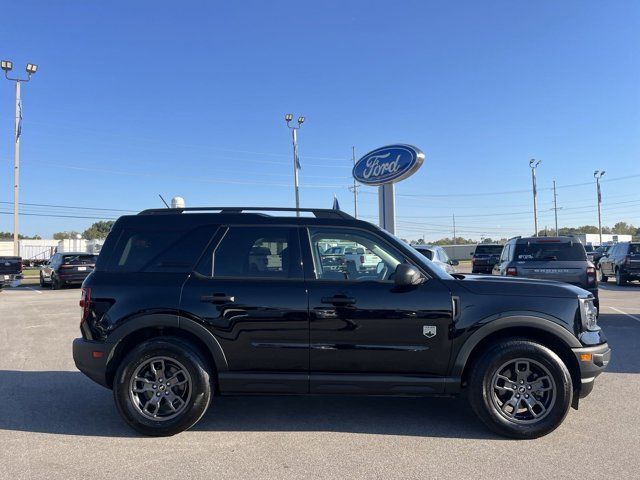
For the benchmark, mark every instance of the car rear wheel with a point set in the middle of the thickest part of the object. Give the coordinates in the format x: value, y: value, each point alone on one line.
x: 621, y: 279
x: 520, y: 389
x: 162, y: 387
x: 55, y: 282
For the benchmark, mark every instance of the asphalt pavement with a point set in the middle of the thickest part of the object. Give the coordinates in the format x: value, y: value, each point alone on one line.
x: 57, y: 424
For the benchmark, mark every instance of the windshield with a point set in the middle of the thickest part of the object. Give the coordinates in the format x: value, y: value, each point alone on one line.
x: 418, y: 256
x: 488, y: 250
x: 550, y: 251
x: 588, y: 248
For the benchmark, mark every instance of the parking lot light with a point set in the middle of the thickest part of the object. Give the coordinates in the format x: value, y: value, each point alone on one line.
x: 31, y: 68
x: 6, y: 65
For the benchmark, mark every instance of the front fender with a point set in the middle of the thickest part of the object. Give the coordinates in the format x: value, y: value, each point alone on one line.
x: 525, y: 321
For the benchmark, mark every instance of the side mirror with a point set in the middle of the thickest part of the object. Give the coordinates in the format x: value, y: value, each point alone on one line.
x: 407, y: 275
x: 454, y: 262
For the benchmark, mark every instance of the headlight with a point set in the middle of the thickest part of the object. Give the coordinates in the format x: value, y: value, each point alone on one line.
x: 589, y: 314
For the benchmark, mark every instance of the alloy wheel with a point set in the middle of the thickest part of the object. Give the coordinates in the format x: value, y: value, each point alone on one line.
x: 160, y: 388
x: 523, y: 391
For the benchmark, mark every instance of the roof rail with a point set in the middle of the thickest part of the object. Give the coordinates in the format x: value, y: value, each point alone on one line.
x: 318, y: 212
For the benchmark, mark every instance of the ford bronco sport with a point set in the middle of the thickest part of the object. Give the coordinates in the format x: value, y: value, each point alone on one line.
x: 179, y: 308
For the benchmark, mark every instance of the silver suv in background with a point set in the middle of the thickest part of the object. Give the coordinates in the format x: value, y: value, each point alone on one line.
x: 563, y: 259
x: 438, y: 256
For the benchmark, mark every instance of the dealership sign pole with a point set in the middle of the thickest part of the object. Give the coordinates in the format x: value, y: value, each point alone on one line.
x: 383, y: 167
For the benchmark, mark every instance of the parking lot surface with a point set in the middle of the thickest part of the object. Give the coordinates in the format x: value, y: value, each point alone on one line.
x: 56, y: 423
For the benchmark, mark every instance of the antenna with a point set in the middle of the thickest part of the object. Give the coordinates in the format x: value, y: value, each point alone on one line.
x: 163, y: 201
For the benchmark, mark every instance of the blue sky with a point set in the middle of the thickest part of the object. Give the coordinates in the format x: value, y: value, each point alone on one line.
x: 138, y: 98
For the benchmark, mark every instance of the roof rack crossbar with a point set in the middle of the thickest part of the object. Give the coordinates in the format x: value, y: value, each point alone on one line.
x: 318, y: 212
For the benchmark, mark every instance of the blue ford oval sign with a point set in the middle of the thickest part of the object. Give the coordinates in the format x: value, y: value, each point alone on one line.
x: 388, y: 164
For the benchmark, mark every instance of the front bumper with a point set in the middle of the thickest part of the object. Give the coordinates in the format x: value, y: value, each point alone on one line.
x: 91, y: 359
x: 592, y: 362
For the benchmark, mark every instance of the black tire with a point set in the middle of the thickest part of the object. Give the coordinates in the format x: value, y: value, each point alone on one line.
x: 200, y: 386
x: 485, y: 401
x: 55, y: 284
x: 621, y: 279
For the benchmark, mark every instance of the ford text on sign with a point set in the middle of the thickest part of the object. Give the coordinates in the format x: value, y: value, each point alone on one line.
x: 388, y: 164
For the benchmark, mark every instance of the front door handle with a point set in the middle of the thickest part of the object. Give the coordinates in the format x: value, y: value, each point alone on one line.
x: 218, y: 298
x: 338, y: 300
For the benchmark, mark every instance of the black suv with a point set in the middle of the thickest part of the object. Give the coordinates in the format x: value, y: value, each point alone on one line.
x: 180, y: 307
x: 66, y: 269
x: 484, y: 257
x: 622, y: 261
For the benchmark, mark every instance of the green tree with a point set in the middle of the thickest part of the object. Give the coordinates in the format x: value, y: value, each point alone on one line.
x: 65, y: 235
x: 98, y: 230
x: 624, y: 228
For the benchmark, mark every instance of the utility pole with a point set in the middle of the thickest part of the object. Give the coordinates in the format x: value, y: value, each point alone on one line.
x: 598, y: 175
x: 7, y: 66
x: 555, y: 205
x: 533, y: 164
x: 454, y: 228
x: 354, y: 188
x: 296, y: 163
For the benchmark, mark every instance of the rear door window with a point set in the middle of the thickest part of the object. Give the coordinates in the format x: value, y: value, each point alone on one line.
x: 634, y: 249
x: 258, y: 252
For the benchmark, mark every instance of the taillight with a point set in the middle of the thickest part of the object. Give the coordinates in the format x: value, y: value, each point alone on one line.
x: 591, y: 275
x: 66, y: 266
x: 627, y: 260
x: 20, y: 265
x: 85, y: 303
x: 512, y: 271
x: 473, y: 260
x: 362, y: 259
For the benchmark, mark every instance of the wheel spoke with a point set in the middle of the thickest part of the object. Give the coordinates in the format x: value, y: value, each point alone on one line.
x: 535, y: 407
x: 152, y: 406
x: 157, y: 367
x: 514, y: 403
x: 178, y: 378
x: 141, y: 385
x: 174, y: 402
x: 542, y: 384
x: 523, y: 370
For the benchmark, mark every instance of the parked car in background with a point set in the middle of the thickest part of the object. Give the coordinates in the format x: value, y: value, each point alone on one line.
x: 172, y: 317
x: 66, y: 269
x: 10, y: 271
x: 563, y: 259
x: 438, y: 256
x: 597, y: 254
x: 484, y: 257
x: 622, y: 261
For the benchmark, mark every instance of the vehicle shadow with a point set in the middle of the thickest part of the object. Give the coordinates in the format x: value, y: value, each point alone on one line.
x: 63, y: 402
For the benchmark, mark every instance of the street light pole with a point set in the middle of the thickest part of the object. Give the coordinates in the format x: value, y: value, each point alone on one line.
x: 296, y: 162
x: 598, y: 175
x: 555, y: 205
x: 7, y: 66
x: 355, y: 185
x: 533, y: 164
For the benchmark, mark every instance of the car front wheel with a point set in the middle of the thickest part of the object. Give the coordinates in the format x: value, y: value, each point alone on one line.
x: 162, y: 387
x: 520, y: 389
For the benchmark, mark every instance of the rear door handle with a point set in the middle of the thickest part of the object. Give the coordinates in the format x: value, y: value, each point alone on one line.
x: 218, y: 298
x: 338, y: 300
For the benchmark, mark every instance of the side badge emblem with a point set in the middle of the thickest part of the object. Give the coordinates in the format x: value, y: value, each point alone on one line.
x: 429, y: 331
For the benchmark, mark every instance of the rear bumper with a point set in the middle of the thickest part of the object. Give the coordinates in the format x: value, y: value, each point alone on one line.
x: 10, y: 279
x: 91, y: 359
x: 631, y: 272
x: 482, y: 269
x: 592, y: 362
x: 73, y: 277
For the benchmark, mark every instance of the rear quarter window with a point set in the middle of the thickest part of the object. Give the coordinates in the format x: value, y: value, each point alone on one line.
x: 160, y: 250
